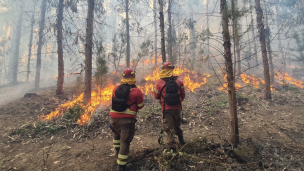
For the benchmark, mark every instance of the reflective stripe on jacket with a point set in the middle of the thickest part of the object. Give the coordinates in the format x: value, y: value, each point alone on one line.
x: 160, y: 84
x: 135, y: 96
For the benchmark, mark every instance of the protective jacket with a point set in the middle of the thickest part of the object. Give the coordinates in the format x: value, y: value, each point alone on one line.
x: 158, y: 87
x: 135, y: 99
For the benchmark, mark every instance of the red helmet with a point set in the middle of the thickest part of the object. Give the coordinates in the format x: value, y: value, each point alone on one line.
x: 167, y: 65
x: 127, y: 73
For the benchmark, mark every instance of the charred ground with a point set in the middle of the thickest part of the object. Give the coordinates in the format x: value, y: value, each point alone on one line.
x: 271, y: 134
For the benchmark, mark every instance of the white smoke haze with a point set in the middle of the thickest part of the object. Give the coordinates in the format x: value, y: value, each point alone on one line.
x: 110, y: 22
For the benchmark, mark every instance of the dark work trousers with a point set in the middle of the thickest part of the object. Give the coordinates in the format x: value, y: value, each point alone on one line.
x: 123, y: 129
x: 172, y: 121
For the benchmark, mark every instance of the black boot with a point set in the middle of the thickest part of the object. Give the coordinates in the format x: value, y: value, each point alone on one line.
x: 125, y: 167
x: 121, y: 168
x: 181, y: 140
x: 117, y: 151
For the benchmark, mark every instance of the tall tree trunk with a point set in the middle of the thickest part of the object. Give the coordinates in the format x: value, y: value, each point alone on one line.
x: 236, y: 37
x: 40, y: 43
x: 30, y: 47
x: 208, y: 38
x: 253, y: 38
x: 259, y: 11
x: 128, y: 34
x: 155, y: 27
x: 89, y: 52
x: 17, y: 45
x: 280, y: 42
x: 268, y: 45
x: 162, y: 29
x: 234, y: 132
x: 60, y: 78
x: 170, y: 32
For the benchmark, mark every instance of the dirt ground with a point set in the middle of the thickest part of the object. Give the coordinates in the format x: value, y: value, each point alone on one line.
x: 271, y: 135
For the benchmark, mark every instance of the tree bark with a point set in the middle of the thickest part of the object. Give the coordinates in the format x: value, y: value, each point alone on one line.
x: 230, y: 76
x: 60, y: 78
x: 236, y: 37
x: 89, y: 52
x: 170, y: 32
x: 254, y: 41
x: 128, y: 34
x: 162, y: 29
x: 40, y: 43
x: 259, y: 11
x: 30, y: 48
x: 16, y: 56
x: 280, y: 42
x: 208, y: 38
x: 268, y: 45
x: 155, y: 27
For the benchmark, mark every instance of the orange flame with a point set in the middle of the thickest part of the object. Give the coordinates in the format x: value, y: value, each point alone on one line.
x: 101, y: 96
x: 225, y: 86
x: 289, y: 80
x: 191, y: 81
x: 184, y: 75
x: 247, y: 79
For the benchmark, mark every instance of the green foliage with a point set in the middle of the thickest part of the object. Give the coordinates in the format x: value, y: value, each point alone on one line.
x: 171, y: 161
x: 20, y: 131
x: 74, y: 113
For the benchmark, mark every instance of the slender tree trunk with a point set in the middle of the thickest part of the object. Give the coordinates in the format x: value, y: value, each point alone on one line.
x: 60, y: 78
x: 208, y: 38
x: 236, y: 37
x: 192, y: 40
x: 268, y: 45
x: 155, y: 27
x: 40, y: 43
x: 30, y: 48
x: 280, y: 42
x: 162, y: 29
x: 128, y: 33
x: 89, y: 52
x: 254, y: 41
x: 230, y: 78
x: 170, y: 32
x: 17, y: 45
x: 259, y: 11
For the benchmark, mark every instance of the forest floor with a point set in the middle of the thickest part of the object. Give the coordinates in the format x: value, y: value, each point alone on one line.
x: 271, y: 134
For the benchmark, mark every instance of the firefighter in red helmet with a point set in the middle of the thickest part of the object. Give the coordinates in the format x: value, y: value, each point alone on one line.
x: 171, y: 92
x: 126, y: 101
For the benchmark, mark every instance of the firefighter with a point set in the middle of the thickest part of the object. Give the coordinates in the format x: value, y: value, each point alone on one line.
x: 126, y: 101
x: 171, y: 92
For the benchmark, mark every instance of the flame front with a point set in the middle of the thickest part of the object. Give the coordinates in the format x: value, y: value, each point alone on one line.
x: 287, y: 79
x: 101, y: 96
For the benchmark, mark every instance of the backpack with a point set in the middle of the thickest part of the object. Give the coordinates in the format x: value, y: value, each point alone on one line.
x: 120, y: 100
x: 172, y: 96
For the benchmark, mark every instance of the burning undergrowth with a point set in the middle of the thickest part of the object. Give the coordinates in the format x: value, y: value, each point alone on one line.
x: 192, y: 82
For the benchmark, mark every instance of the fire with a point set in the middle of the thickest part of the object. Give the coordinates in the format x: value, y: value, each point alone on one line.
x: 247, y: 79
x: 152, y: 61
x: 191, y: 85
x: 192, y: 81
x: 287, y: 79
x: 101, y: 96
x: 55, y: 77
x: 184, y: 75
x: 225, y: 86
